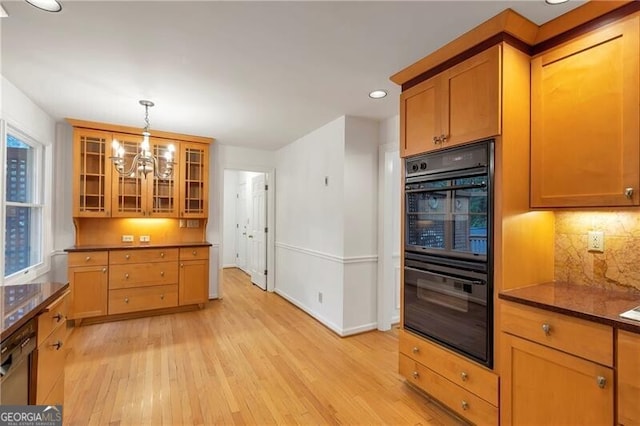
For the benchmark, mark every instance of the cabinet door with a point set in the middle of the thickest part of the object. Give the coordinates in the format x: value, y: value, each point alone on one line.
x: 584, y: 121
x: 471, y: 101
x: 543, y: 386
x: 419, y: 120
x: 92, y: 173
x: 194, y: 180
x: 628, y: 378
x: 88, y: 291
x: 163, y: 191
x: 129, y: 190
x: 194, y: 282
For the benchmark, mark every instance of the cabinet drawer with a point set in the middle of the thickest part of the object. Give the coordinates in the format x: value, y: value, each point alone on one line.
x: 88, y: 258
x: 143, y: 274
x: 576, y: 336
x: 466, y: 374
x: 194, y: 253
x: 144, y: 298
x: 118, y: 257
x: 50, y: 361
x: 453, y: 396
x: 54, y: 316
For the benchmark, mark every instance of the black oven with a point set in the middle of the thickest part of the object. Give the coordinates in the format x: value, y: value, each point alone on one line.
x: 448, y: 274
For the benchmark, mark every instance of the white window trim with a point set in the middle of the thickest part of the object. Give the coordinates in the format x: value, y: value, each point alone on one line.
x: 44, y: 164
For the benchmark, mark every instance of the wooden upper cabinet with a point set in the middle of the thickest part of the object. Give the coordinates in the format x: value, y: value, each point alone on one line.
x: 459, y: 105
x: 137, y: 195
x: 194, y: 180
x: 585, y: 139
x: 91, y: 173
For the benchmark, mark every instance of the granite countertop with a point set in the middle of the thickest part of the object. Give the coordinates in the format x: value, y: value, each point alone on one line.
x: 22, y: 302
x: 124, y: 246
x: 591, y: 303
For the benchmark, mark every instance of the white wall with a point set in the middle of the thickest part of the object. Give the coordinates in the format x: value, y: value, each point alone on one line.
x: 326, y: 233
x: 229, y: 218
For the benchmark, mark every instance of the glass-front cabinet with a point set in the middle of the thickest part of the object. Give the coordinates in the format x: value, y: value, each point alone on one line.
x: 193, y: 180
x: 92, y: 174
x: 140, y: 193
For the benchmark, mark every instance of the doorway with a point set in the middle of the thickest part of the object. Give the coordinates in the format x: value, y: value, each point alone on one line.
x: 245, y: 226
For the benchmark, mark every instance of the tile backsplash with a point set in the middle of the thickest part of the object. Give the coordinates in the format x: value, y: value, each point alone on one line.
x: 617, y: 268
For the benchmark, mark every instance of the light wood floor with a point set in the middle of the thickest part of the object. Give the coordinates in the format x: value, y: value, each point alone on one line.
x: 249, y: 358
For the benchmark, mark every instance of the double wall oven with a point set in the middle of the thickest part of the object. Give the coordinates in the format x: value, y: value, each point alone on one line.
x: 448, y: 273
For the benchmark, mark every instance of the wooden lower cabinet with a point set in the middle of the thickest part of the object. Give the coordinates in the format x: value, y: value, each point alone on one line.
x: 122, y: 301
x: 194, y: 275
x: 51, y: 352
x: 465, y: 387
x: 88, y: 280
x: 628, y: 364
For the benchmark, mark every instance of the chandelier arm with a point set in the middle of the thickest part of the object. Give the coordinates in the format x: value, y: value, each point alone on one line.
x: 131, y: 169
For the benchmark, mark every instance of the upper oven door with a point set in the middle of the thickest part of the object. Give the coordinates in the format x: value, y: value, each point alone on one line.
x: 449, y: 216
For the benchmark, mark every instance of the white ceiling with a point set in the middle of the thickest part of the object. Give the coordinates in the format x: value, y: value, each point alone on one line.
x: 256, y: 74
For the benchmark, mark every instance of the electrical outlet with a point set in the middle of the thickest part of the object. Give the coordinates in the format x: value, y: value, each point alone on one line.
x: 595, y: 241
x: 145, y: 238
x: 127, y: 238
x: 320, y: 297
x: 193, y: 223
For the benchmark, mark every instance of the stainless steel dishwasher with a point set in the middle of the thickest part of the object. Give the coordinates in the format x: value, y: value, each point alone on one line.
x: 15, y: 362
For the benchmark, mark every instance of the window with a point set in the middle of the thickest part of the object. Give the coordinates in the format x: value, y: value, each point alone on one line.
x: 24, y: 180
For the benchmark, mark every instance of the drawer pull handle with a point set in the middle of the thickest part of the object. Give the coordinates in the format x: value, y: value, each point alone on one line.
x: 415, y: 350
x: 126, y: 300
x: 126, y: 256
x: 465, y: 405
x: 546, y: 328
x: 162, y: 254
x: 104, y: 270
x: 415, y: 374
x: 57, y: 345
x: 58, y: 317
x: 126, y: 276
x: 464, y: 376
x: 88, y: 258
x: 602, y: 382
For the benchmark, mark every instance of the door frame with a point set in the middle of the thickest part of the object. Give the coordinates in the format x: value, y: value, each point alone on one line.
x: 270, y: 173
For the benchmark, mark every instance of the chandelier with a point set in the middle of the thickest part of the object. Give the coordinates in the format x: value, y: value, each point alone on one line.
x: 144, y: 161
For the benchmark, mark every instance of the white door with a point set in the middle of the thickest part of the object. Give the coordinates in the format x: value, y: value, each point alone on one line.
x: 258, y: 232
x: 241, y: 227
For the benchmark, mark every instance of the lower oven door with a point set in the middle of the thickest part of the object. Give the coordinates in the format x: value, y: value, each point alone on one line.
x: 452, y: 307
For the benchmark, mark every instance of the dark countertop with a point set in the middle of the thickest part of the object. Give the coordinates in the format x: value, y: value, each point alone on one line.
x: 125, y: 246
x: 22, y: 302
x: 590, y: 303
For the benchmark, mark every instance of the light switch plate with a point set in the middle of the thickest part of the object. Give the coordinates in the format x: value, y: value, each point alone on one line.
x: 127, y: 238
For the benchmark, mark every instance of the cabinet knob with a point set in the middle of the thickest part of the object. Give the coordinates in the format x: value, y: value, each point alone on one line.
x: 162, y: 297
x: 465, y: 405
x: 415, y: 374
x: 57, y: 345
x: 436, y: 140
x: 126, y: 300
x: 628, y: 192
x: 162, y: 273
x: 415, y: 350
x: 195, y: 253
x: 88, y: 258
x: 104, y: 270
x: 126, y: 276
x: 443, y: 138
x: 126, y: 256
x: 182, y: 265
x: 58, y: 317
x: 602, y: 382
x: 161, y: 254
x: 546, y: 328
x: 464, y: 376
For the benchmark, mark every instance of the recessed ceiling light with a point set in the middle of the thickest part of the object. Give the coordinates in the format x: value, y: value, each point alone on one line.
x: 48, y: 5
x: 555, y: 1
x: 378, y: 94
x: 3, y: 13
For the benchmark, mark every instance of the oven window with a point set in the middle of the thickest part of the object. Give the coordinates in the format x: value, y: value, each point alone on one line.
x: 469, y: 216
x: 451, y: 310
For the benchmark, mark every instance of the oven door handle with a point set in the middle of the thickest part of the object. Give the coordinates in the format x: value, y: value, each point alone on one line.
x: 464, y: 280
x: 449, y: 188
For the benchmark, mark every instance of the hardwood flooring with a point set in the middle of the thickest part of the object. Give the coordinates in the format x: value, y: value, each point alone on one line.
x: 249, y: 358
